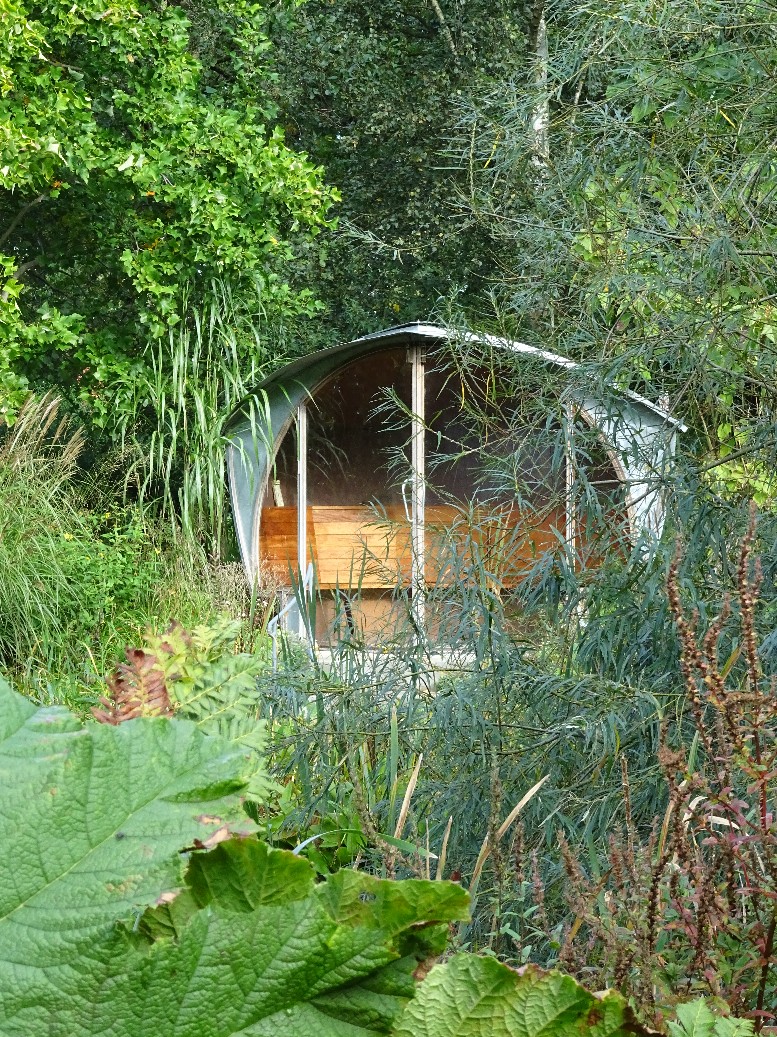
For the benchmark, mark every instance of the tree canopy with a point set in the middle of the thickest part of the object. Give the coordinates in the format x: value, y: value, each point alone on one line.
x: 375, y: 93
x: 138, y: 162
x: 637, y: 234
x: 644, y: 241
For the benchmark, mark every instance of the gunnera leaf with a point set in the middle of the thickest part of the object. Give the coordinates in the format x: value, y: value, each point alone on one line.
x: 470, y: 996
x: 696, y: 1019
x: 255, y: 947
x: 92, y: 821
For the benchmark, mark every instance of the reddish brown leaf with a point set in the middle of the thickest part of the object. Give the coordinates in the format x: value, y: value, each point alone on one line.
x: 135, y: 689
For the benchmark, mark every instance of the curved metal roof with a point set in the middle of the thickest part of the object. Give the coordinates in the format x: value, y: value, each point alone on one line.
x: 407, y: 332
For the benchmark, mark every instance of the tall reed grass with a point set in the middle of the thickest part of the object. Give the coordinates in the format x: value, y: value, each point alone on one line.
x: 76, y: 584
x: 190, y: 384
x: 38, y: 595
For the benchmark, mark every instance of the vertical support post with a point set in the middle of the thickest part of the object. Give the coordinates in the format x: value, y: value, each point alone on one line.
x: 418, y: 461
x: 302, y: 511
x: 540, y: 122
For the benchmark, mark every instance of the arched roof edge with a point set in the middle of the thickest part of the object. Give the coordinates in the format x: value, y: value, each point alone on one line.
x: 405, y: 332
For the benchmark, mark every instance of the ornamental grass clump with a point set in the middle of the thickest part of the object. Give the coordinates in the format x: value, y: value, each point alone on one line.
x: 81, y: 573
x: 39, y: 600
x: 692, y: 908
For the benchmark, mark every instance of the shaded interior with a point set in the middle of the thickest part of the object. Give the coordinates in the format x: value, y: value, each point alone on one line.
x: 496, y: 490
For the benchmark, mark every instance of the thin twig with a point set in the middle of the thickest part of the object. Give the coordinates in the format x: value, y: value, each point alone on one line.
x: 20, y: 216
x: 767, y: 962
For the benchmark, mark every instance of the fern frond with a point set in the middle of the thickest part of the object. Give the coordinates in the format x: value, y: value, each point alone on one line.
x: 137, y: 688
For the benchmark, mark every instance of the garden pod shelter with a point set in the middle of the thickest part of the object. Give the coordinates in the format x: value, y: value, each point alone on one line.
x: 362, y: 468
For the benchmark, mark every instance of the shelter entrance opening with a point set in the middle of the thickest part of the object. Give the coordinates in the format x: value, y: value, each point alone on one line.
x: 397, y: 475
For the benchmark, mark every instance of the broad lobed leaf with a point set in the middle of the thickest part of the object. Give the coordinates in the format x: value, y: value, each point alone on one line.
x: 254, y: 946
x: 470, y: 996
x: 92, y: 821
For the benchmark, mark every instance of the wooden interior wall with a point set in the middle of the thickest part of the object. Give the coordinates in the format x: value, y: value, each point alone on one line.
x: 352, y: 547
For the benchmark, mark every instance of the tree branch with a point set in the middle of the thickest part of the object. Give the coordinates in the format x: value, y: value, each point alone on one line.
x: 535, y: 16
x: 18, y: 274
x: 735, y: 454
x: 541, y: 114
x: 445, y: 29
x: 19, y: 217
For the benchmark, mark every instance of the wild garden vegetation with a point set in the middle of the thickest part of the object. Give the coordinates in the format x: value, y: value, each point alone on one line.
x: 198, y: 841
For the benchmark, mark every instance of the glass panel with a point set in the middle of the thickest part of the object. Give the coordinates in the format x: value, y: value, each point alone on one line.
x: 278, y: 527
x: 478, y: 450
x: 359, y: 432
x: 282, y: 491
x: 358, y: 449
x: 496, y: 486
x: 453, y: 467
x: 497, y: 483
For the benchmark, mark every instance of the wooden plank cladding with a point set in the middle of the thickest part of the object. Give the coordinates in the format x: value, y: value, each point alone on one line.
x: 502, y: 543
x: 357, y: 547
x: 350, y: 546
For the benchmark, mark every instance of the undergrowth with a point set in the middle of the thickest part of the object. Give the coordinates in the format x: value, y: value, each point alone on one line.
x: 690, y: 908
x: 393, y: 764
x: 77, y: 584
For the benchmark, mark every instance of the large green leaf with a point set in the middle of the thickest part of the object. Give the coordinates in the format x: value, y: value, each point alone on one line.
x: 478, y: 997
x: 254, y: 946
x: 92, y: 821
x: 697, y: 1020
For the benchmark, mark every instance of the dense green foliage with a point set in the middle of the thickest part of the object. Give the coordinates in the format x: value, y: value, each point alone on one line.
x: 696, y: 1020
x: 173, y: 426
x: 695, y: 895
x: 642, y: 242
x: 476, y: 996
x: 646, y: 241
x: 603, y: 742
x: 131, y: 171
x: 594, y: 178
x: 248, y: 941
x: 82, y: 574
x: 197, y: 675
x: 373, y: 93
x: 93, y: 818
